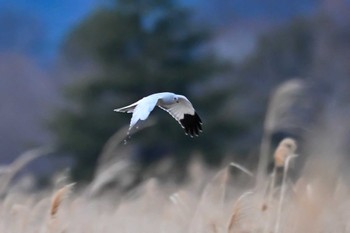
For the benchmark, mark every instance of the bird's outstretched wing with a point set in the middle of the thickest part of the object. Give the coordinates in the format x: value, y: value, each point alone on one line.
x: 128, y: 109
x: 185, y: 114
x: 140, y: 110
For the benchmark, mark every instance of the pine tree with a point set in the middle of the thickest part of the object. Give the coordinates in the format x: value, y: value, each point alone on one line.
x: 140, y: 47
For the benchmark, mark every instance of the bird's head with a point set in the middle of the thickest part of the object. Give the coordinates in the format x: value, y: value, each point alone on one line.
x: 176, y: 99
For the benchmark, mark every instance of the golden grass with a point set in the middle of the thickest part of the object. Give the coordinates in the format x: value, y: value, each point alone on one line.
x: 224, y: 204
x: 58, y: 198
x: 236, y: 213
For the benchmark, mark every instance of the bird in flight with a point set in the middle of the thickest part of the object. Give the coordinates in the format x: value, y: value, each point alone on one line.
x: 178, y: 106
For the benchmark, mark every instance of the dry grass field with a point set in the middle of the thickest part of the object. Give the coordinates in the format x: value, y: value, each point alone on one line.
x: 222, y: 201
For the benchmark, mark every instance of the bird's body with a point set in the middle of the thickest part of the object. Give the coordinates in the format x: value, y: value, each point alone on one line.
x: 178, y: 106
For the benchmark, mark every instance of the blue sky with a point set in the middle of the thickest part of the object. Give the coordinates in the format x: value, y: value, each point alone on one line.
x: 58, y: 15
x: 53, y: 19
x: 43, y: 24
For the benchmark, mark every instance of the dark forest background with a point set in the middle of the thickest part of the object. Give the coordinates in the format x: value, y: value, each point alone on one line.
x: 227, y: 57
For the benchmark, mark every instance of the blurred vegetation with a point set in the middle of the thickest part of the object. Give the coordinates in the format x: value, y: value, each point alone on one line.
x: 139, y: 48
x: 281, y: 53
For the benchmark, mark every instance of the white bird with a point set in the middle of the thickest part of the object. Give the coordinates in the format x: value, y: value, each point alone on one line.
x: 178, y: 106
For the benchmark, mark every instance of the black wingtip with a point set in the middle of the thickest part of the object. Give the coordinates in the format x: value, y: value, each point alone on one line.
x: 192, y: 124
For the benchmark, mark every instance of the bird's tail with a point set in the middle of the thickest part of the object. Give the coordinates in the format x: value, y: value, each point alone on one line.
x: 128, y: 109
